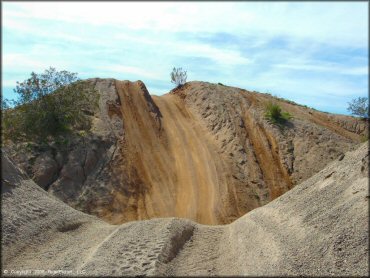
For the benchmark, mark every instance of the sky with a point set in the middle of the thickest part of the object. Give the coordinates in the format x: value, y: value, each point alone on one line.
x: 313, y: 53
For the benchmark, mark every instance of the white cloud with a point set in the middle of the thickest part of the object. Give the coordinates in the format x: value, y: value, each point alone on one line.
x: 333, y: 23
x: 13, y: 60
x: 23, y: 62
x: 170, y: 46
x: 325, y: 67
x: 140, y: 15
x: 143, y: 40
x: 220, y: 56
x: 120, y: 69
x: 312, y: 89
x: 356, y: 71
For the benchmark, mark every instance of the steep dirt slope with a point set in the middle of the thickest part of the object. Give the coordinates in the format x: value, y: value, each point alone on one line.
x: 171, y: 160
x: 319, y: 228
x: 203, y: 152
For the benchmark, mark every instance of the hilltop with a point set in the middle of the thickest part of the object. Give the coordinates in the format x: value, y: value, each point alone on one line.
x: 204, y: 152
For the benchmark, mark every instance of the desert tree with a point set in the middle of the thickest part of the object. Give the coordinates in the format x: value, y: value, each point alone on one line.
x: 359, y: 107
x: 178, y: 77
x: 48, y: 104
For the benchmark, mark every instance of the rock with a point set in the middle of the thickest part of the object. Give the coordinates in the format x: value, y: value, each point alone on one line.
x: 45, y: 170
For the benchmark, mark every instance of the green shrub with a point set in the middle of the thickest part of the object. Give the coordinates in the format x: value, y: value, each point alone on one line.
x: 274, y: 114
x: 48, y: 104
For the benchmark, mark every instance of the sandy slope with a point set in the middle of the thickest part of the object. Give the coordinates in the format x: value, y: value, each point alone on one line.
x: 318, y: 228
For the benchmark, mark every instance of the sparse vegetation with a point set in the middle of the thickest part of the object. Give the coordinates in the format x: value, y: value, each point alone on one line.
x: 359, y: 107
x: 178, y: 77
x: 48, y: 104
x: 274, y: 114
x: 364, y: 138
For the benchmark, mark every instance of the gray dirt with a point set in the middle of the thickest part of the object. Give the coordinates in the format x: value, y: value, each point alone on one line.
x: 318, y: 228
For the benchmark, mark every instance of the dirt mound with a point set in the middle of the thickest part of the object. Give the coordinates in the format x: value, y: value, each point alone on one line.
x: 203, y: 152
x: 319, y: 228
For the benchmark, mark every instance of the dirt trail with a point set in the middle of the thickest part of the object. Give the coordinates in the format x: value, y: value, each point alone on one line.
x: 201, y: 255
x: 176, y: 166
x: 193, y: 167
x: 198, y: 171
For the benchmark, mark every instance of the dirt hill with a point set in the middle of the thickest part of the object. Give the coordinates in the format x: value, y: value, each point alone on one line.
x: 203, y: 152
x: 319, y: 228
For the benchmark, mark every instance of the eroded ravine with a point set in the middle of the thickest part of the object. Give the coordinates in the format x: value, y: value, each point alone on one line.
x: 203, y: 152
x: 179, y: 168
x: 174, y: 166
x: 275, y: 175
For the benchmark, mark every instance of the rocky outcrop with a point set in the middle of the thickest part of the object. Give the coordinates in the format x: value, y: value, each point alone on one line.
x: 319, y: 228
x: 203, y: 152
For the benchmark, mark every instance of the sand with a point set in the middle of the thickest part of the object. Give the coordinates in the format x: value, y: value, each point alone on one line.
x: 320, y: 227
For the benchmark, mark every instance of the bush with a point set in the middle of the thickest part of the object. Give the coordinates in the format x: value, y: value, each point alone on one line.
x: 364, y: 138
x: 359, y: 107
x: 274, y: 114
x: 178, y: 77
x: 48, y: 104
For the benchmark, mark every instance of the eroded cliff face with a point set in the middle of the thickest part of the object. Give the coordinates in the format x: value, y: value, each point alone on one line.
x: 203, y: 152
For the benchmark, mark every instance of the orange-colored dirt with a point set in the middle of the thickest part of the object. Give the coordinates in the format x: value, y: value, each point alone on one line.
x: 175, y: 159
x: 176, y: 168
x: 266, y: 151
x: 203, y: 151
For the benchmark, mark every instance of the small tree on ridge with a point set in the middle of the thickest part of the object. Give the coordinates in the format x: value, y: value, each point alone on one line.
x: 359, y: 107
x: 178, y: 77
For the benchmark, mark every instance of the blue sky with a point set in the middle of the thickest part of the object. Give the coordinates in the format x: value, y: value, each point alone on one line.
x: 312, y: 53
